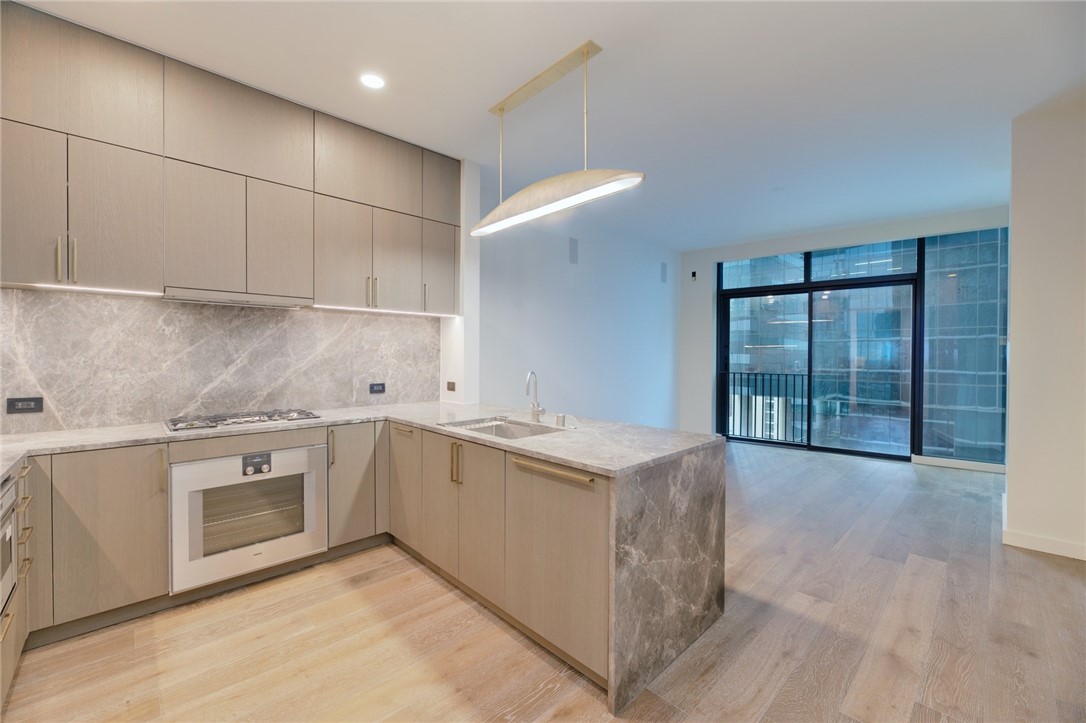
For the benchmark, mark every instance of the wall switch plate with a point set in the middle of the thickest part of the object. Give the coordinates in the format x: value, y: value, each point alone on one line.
x: 377, y: 388
x: 25, y: 405
x: 450, y: 386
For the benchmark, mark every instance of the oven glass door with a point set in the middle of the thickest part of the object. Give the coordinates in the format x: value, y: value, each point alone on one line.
x: 7, y: 555
x: 246, y: 513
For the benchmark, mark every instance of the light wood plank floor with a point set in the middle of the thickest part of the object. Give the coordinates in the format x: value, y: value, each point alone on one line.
x: 858, y: 590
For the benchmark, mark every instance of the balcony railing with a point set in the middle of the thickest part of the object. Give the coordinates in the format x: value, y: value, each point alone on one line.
x: 767, y: 406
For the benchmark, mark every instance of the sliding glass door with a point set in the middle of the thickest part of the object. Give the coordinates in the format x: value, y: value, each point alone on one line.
x: 767, y: 368
x: 861, y: 375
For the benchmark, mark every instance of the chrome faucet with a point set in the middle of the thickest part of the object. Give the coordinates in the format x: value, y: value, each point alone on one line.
x: 533, y: 390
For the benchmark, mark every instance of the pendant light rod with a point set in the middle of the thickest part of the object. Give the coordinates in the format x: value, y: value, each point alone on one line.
x: 501, y: 156
x: 584, y: 55
x: 547, y: 78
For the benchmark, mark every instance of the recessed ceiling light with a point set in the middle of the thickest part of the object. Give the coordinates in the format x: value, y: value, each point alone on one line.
x: 372, y: 80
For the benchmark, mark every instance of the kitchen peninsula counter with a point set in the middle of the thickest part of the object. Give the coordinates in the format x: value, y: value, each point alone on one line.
x: 666, y: 530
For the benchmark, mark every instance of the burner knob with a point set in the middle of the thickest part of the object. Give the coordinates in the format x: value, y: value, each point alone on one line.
x: 249, y: 470
x: 265, y: 468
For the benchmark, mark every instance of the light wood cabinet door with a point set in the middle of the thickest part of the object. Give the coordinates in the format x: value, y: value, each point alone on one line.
x: 363, y: 165
x: 279, y: 240
x: 440, y: 542
x: 342, y: 252
x: 397, y: 261
x: 556, y: 556
x: 405, y: 484
x: 65, y: 77
x: 204, y: 228
x: 217, y: 122
x: 110, y: 529
x: 114, y: 217
x: 12, y: 617
x: 482, y: 520
x: 351, y: 478
x: 40, y: 545
x: 440, y: 188
x: 34, y: 184
x: 438, y: 267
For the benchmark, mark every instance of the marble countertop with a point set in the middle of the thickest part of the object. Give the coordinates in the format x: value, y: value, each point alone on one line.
x: 611, y: 449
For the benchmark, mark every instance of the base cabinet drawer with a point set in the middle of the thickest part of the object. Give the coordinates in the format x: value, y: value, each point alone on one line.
x: 556, y: 568
x: 12, y: 637
x: 110, y: 529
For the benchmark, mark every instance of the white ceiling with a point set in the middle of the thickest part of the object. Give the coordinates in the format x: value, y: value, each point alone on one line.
x: 749, y: 119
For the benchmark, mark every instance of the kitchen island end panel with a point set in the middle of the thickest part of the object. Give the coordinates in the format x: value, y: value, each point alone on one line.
x: 667, y: 535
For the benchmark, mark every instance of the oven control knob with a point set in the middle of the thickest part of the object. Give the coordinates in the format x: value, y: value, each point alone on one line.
x: 249, y: 470
x: 265, y: 468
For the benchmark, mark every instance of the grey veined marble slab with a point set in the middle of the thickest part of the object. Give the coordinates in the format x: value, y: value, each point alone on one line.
x: 116, y: 360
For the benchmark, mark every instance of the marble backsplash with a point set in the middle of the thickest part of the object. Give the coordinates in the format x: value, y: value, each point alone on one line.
x: 111, y: 360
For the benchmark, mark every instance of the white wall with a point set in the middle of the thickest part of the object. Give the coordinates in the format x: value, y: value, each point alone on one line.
x: 697, y: 307
x: 1046, y: 406
x: 600, y: 333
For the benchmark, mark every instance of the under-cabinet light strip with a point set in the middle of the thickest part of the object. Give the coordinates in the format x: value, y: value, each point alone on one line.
x: 97, y: 289
x: 384, y: 311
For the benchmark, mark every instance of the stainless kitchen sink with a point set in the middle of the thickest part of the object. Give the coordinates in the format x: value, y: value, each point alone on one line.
x: 502, y: 427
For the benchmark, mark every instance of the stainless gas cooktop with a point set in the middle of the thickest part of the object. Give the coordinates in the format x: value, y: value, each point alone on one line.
x: 234, y: 418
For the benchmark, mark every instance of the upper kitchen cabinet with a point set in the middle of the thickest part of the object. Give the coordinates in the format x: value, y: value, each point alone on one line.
x: 397, y: 261
x: 79, y: 212
x: 67, y: 78
x: 362, y: 165
x: 34, y: 237
x: 440, y: 188
x: 205, y: 228
x: 219, y: 123
x: 342, y: 252
x: 438, y: 268
x: 114, y: 217
x: 279, y: 242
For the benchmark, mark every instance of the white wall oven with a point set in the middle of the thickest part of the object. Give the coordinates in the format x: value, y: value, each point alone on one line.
x: 233, y: 515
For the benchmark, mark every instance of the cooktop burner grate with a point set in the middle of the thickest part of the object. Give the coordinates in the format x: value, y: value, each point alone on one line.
x: 233, y: 418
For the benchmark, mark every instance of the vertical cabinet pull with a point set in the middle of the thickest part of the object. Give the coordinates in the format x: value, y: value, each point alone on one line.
x: 376, y: 291
x: 332, y: 447
x: 60, y: 260
x: 459, y: 463
x: 369, y: 292
x: 452, y: 462
x: 75, y: 261
x: 425, y: 297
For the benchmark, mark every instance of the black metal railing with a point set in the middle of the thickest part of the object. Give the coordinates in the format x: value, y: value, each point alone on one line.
x: 767, y: 406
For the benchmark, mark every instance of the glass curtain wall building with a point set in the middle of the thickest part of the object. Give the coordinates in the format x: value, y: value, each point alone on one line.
x: 892, y: 348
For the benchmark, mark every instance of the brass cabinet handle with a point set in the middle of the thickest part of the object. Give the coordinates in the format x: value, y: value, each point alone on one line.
x: 24, y: 503
x: 554, y: 471
x: 331, y: 447
x: 25, y: 567
x: 60, y: 261
x: 460, y: 463
x: 27, y: 531
x: 5, y: 625
x: 405, y: 430
x: 452, y: 462
x: 75, y: 260
x: 376, y: 288
x: 425, y: 296
x: 369, y: 293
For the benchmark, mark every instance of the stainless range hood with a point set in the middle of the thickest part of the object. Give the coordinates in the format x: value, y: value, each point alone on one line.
x: 233, y: 298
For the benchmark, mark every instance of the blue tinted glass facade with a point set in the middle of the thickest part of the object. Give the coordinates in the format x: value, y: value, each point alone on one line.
x: 856, y: 262
x: 965, y: 346
x: 762, y: 271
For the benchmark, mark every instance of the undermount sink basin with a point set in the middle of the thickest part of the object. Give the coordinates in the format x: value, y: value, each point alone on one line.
x: 502, y: 427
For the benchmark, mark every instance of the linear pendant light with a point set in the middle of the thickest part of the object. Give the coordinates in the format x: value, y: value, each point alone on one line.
x: 565, y: 190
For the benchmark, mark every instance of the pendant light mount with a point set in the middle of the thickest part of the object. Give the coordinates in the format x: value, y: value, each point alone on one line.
x: 565, y: 190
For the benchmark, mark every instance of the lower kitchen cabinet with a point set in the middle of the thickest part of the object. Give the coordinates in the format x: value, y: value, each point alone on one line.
x: 556, y: 568
x: 12, y: 637
x: 463, y: 512
x: 405, y: 484
x: 110, y: 529
x: 40, y: 545
x: 351, y: 483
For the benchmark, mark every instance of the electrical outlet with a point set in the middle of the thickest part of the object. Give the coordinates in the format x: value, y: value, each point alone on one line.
x: 450, y: 386
x: 25, y: 405
x: 377, y: 388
